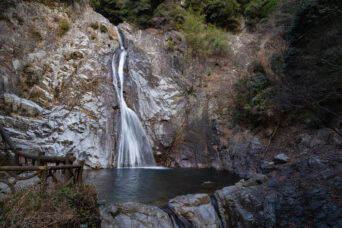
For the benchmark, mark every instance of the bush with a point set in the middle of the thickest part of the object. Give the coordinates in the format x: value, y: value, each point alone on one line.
x: 60, y: 207
x: 252, y: 102
x: 108, y: 8
x: 203, y: 39
x: 255, y: 10
x: 223, y: 13
x: 95, y: 26
x: 196, y: 6
x: 103, y: 29
x: 168, y: 16
x: 138, y: 12
x: 268, y: 7
x: 63, y: 27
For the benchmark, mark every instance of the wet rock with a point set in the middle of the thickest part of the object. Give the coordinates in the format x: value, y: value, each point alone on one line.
x: 281, y: 158
x: 133, y: 215
x: 196, y: 208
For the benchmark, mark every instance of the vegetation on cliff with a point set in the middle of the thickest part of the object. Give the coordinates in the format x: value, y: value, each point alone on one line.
x: 252, y: 100
x: 311, y: 90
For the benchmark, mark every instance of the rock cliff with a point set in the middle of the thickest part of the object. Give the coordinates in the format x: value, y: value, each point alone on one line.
x: 67, y: 101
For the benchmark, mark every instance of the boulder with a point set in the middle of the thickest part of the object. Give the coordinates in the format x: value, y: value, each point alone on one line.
x: 281, y: 158
x: 242, y: 205
x: 133, y: 215
x: 197, y: 209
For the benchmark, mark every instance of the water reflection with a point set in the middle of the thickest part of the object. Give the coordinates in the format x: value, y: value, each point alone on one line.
x: 155, y: 186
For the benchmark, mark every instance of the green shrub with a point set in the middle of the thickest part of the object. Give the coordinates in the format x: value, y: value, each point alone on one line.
x: 103, y: 29
x: 255, y: 10
x: 95, y: 26
x: 252, y: 102
x: 138, y: 12
x: 223, y: 13
x: 167, y: 16
x: 63, y: 27
x: 170, y: 45
x: 108, y: 8
x: 203, y: 39
x: 268, y: 7
x: 196, y: 6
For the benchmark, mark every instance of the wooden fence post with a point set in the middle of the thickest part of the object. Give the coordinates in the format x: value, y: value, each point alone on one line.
x: 80, y: 173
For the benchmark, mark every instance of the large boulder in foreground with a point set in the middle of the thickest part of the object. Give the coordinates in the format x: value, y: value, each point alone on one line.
x: 196, y: 208
x: 134, y: 215
x: 241, y: 205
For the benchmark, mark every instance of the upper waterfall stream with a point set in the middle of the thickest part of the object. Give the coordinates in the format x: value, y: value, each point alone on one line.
x: 134, y: 149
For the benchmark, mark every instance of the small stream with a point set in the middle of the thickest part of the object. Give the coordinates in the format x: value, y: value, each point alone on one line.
x: 155, y: 185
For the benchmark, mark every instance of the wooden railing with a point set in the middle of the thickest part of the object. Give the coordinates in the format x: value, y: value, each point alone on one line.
x: 25, y: 166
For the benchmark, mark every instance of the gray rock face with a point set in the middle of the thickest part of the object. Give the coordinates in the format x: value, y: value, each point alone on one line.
x: 16, y: 104
x: 281, y: 158
x: 68, y: 77
x: 134, y: 215
x: 241, y: 205
x: 197, y: 209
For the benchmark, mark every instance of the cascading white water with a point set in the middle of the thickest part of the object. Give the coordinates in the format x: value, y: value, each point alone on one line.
x: 134, y: 149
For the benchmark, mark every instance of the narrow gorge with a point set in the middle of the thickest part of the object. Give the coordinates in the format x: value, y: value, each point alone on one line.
x: 195, y: 113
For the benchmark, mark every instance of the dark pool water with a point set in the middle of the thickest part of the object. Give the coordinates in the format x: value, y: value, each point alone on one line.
x: 155, y: 186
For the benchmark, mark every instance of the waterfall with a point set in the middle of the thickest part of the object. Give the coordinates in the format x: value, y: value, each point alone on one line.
x: 134, y: 149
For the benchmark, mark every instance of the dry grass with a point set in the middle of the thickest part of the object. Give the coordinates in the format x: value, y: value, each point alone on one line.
x: 52, y: 207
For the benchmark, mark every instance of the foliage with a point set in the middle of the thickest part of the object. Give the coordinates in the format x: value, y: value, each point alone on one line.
x: 63, y: 27
x: 312, y: 13
x: 95, y: 26
x: 60, y: 207
x: 223, y: 13
x: 108, y: 8
x: 168, y: 16
x: 316, y: 83
x: 138, y: 12
x: 268, y: 7
x: 252, y: 98
x: 196, y: 6
x: 103, y: 29
x: 204, y: 39
x: 170, y: 45
x: 255, y: 10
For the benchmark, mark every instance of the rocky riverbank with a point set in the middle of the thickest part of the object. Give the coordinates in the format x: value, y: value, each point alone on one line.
x: 287, y: 194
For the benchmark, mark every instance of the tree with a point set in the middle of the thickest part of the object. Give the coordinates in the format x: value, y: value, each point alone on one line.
x: 223, y: 13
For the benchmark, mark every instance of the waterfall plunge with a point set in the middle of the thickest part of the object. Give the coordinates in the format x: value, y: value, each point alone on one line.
x: 134, y: 149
